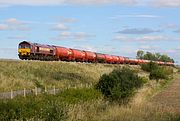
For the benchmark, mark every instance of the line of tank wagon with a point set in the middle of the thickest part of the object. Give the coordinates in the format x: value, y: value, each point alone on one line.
x: 35, y: 51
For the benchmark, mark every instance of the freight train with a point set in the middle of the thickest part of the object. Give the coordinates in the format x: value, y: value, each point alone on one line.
x: 35, y: 51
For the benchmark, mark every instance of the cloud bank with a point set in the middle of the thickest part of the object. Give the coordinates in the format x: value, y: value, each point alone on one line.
x: 155, y: 3
x: 65, y: 2
x: 138, y: 31
x: 14, y: 24
x: 146, y: 38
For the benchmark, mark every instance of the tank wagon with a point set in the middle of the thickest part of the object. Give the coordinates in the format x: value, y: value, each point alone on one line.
x: 35, y: 51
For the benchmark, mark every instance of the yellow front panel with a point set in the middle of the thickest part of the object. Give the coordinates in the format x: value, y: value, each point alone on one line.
x: 24, y: 51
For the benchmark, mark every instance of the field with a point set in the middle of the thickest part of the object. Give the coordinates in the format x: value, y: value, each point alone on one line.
x: 82, y: 103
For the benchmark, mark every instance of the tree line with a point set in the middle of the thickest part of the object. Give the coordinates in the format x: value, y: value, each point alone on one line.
x: 153, y: 56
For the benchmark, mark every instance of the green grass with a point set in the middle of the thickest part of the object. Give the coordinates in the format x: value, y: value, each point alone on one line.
x: 178, y: 69
x: 73, y: 96
x: 28, y: 74
x: 44, y: 106
x: 80, y: 104
x: 17, y: 75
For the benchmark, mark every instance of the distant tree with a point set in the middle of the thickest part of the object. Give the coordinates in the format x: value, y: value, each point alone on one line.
x: 165, y: 58
x: 158, y: 56
x: 149, y: 56
x: 154, y: 57
x: 140, y: 54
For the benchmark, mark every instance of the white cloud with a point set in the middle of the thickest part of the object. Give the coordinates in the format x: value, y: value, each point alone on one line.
x: 178, y: 48
x: 82, y: 35
x: 60, y: 27
x: 165, y: 3
x: 65, y: 2
x: 14, y: 21
x: 66, y: 35
x: 86, y: 47
x: 102, y: 2
x: 152, y: 38
x: 23, y: 28
x: 135, y: 16
x: 14, y: 24
x: 138, y: 31
x: 148, y: 47
x: 30, y: 2
x: 145, y: 38
x: 98, y: 48
x: 68, y: 20
x: 156, y: 3
x: 4, y: 27
x: 169, y: 26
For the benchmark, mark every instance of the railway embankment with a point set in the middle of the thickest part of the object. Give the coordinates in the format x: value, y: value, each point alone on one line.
x: 82, y: 102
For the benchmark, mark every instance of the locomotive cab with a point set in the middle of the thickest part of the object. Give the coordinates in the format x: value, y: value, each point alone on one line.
x: 24, y: 50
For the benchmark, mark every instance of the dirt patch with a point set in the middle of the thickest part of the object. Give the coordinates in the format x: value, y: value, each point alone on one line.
x: 170, y: 97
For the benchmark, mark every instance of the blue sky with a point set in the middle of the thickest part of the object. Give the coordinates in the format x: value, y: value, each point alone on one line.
x: 119, y: 27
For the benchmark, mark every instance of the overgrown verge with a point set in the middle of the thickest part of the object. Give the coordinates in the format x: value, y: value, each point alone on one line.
x: 45, y: 107
x: 32, y: 108
x: 89, y: 104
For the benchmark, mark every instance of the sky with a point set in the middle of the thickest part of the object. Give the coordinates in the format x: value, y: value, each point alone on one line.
x: 117, y: 27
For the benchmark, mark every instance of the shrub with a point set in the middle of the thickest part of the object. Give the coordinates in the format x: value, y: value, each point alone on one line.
x: 45, y: 107
x: 149, y: 66
x: 36, y: 108
x: 157, y: 72
x: 120, y: 84
x: 161, y: 73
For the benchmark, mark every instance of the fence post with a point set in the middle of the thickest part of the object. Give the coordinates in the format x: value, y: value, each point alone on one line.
x: 24, y: 92
x: 68, y: 87
x: 11, y: 94
x: 45, y: 89
x: 54, y: 90
x: 36, y: 91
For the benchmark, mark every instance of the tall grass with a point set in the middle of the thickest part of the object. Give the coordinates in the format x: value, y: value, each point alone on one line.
x: 18, y: 75
x: 74, y: 104
x: 28, y: 74
x: 46, y: 107
x: 140, y: 108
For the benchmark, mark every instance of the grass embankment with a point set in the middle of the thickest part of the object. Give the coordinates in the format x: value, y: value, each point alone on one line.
x: 84, y: 104
x: 75, y: 104
x: 18, y: 75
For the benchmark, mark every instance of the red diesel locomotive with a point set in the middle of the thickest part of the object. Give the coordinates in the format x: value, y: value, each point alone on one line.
x: 35, y: 51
